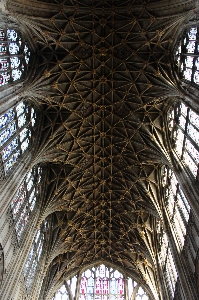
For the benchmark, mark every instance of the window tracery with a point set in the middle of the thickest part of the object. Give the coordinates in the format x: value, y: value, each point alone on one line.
x: 168, y: 266
x: 178, y: 210
x: 187, y: 55
x: 16, y: 127
x: 14, y: 56
x: 184, y: 130
x: 102, y: 283
x: 176, y: 203
x: 34, y: 257
x: 24, y: 202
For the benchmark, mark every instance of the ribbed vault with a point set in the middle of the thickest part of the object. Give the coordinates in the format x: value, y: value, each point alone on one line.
x: 106, y: 82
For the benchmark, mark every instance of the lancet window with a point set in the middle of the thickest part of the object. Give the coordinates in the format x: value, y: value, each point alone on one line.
x: 176, y: 203
x: 184, y: 130
x: 102, y: 283
x: 14, y: 56
x: 187, y: 55
x: 24, y: 202
x: 16, y: 127
x: 34, y: 257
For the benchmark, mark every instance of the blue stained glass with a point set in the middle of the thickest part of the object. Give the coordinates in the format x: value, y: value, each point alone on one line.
x: 22, y: 222
x: 4, y: 64
x: 196, y: 77
x: 17, y: 203
x: 21, y: 120
x: 13, y: 48
x: 4, y: 78
x: 192, y: 33
x: 20, y: 108
x: 33, y: 117
x: 24, y: 145
x: 33, y: 204
x: 189, y: 61
x: 23, y: 134
x: 7, y: 133
x: 16, y: 74
x: 26, y: 49
x: 10, y: 45
x: 33, y: 258
x: 27, y: 54
x: 27, y: 59
x: 3, y: 48
x: 197, y: 63
x: 30, y: 184
x: 191, y: 47
x: 28, y: 176
x: 9, y: 149
x: 12, y: 35
x: 15, y: 62
x: 9, y: 163
x: 6, y: 118
x: 187, y: 74
x: 2, y: 34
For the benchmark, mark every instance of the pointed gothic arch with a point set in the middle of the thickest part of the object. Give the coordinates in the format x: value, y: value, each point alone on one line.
x: 101, y: 282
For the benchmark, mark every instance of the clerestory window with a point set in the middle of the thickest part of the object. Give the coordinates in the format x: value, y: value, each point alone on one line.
x: 176, y: 204
x: 14, y: 56
x: 187, y: 55
x: 16, y: 127
x: 102, y: 283
x: 184, y: 132
x: 24, y: 201
x: 34, y: 257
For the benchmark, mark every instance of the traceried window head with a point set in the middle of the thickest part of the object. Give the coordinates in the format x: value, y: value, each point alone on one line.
x: 184, y: 131
x: 16, y: 127
x: 102, y: 283
x: 187, y: 55
x: 34, y: 257
x: 14, y: 56
x: 24, y: 202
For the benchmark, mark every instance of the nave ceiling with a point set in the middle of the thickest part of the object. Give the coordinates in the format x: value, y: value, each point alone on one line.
x: 103, y: 81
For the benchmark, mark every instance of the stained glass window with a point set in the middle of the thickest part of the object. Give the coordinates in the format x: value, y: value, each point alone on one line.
x: 168, y: 267
x: 176, y: 203
x: 24, y: 202
x: 16, y: 127
x: 34, y: 257
x: 14, y: 56
x: 184, y: 130
x: 101, y: 283
x: 187, y: 55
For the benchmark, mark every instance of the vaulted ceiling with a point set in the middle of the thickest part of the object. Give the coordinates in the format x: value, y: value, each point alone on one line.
x: 103, y: 80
